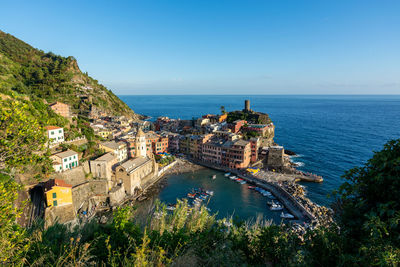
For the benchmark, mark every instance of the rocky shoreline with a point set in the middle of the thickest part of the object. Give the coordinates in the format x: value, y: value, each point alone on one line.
x: 323, y: 214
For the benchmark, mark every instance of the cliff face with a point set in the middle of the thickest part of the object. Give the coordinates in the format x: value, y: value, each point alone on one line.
x: 36, y: 74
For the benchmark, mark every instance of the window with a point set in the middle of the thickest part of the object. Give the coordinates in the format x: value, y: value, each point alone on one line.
x: 54, y: 195
x: 52, y: 132
x: 65, y: 160
x: 59, y: 131
x: 70, y: 158
x: 55, y: 203
x: 75, y: 157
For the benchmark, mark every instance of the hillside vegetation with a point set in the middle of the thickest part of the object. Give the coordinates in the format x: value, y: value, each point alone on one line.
x: 38, y: 75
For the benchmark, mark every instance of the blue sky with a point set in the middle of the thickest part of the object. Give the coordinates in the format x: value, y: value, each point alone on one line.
x: 220, y: 47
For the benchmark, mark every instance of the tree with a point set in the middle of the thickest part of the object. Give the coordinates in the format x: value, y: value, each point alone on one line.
x: 368, y: 207
x: 21, y: 137
x: 223, y: 111
x: 13, y: 241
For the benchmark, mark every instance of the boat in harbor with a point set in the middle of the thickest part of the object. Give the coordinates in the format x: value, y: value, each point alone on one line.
x: 287, y: 216
x: 171, y: 207
x: 191, y: 195
x: 233, y: 177
x: 251, y: 187
x: 273, y: 202
x: 275, y: 207
x: 210, y: 192
x: 214, y: 176
x: 243, y: 182
x: 227, y: 174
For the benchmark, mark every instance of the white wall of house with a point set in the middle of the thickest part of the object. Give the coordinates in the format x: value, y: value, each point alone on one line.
x: 56, y: 135
x: 122, y: 154
x: 57, y: 167
x: 70, y: 162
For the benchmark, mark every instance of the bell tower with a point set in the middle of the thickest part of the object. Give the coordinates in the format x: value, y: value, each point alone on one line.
x: 141, y: 150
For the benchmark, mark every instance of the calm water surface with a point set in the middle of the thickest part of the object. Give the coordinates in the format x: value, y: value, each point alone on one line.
x: 330, y: 133
x: 230, y: 198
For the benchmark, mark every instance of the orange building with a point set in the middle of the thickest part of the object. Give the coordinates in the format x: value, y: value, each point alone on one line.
x: 61, y: 109
x: 58, y: 193
x: 222, y: 118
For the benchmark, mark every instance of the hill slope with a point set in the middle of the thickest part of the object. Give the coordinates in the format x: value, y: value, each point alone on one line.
x: 32, y: 72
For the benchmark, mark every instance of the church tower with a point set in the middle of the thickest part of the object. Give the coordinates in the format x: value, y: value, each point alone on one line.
x: 141, y: 150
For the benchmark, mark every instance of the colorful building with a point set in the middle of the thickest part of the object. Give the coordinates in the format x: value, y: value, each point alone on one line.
x: 65, y: 160
x: 61, y: 109
x: 55, y: 134
x: 260, y: 129
x: 236, y: 125
x: 120, y: 149
x: 58, y: 193
x: 255, y: 145
x: 212, y: 151
x: 236, y: 154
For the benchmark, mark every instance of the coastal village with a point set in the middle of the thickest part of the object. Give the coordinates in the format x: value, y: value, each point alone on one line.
x: 132, y: 155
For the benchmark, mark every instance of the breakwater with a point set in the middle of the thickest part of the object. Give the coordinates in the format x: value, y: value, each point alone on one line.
x: 291, y: 203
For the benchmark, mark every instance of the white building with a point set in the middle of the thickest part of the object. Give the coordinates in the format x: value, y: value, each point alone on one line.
x: 65, y: 160
x: 55, y: 134
x: 118, y: 148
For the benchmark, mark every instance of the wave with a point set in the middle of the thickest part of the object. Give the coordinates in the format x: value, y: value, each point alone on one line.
x: 298, y: 163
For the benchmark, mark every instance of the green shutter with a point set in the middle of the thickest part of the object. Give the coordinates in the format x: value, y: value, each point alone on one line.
x: 54, y: 195
x: 55, y: 203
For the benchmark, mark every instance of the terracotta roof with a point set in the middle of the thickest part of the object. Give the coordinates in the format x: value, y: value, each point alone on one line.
x: 48, y: 128
x: 55, y: 182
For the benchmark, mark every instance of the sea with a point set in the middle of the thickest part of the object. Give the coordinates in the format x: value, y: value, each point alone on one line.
x: 329, y: 133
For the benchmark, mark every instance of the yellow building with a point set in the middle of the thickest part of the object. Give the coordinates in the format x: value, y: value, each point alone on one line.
x: 104, y: 133
x: 58, y: 193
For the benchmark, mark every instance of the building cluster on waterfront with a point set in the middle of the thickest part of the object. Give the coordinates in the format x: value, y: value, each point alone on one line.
x: 127, y: 160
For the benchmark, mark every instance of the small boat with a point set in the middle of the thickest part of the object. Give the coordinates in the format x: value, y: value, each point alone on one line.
x: 191, y: 195
x: 227, y: 174
x: 210, y: 192
x: 251, y: 187
x: 232, y: 177
x: 243, y: 182
x: 271, y: 197
x: 203, y: 197
x: 287, y: 216
x: 275, y: 207
x: 171, y: 207
x: 214, y: 176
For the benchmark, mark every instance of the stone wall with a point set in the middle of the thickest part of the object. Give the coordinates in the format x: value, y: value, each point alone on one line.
x: 73, y: 177
x: 117, y: 194
x: 60, y: 214
x: 85, y: 191
x: 86, y: 167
